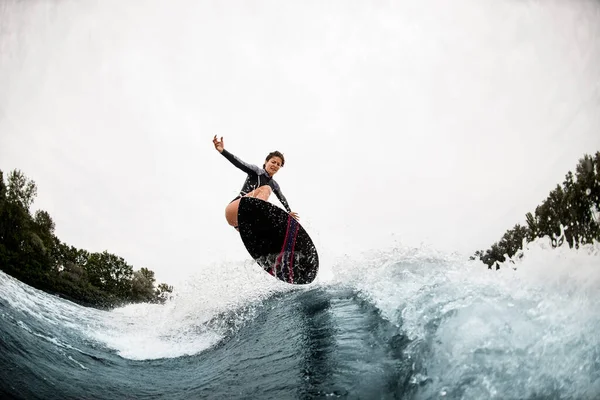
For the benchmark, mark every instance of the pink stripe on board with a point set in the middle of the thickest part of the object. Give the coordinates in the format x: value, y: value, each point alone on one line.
x: 287, y: 230
x: 291, y: 263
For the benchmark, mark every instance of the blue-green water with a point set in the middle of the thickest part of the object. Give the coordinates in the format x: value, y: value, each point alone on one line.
x: 394, y: 325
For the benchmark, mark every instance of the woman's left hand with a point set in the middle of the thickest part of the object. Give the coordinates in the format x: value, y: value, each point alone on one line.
x: 294, y: 215
x: 219, y: 144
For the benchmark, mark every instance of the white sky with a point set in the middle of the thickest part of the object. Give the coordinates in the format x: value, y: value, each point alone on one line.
x: 402, y: 122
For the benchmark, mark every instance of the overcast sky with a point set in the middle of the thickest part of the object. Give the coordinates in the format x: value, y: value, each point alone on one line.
x: 403, y: 123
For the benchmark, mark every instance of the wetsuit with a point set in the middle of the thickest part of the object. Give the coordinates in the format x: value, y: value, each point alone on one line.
x: 256, y: 178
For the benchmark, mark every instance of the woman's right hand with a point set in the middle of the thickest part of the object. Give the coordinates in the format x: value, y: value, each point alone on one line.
x: 218, y: 144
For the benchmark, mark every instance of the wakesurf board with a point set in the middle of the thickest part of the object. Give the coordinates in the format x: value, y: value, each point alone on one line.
x: 277, y: 241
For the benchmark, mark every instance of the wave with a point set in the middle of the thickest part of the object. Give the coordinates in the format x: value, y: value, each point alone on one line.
x: 405, y: 322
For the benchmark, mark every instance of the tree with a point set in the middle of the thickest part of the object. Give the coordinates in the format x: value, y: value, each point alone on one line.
x: 109, y: 273
x: 44, y: 221
x: 532, y: 226
x: 573, y: 207
x: 142, y: 285
x: 163, y: 292
x: 2, y: 191
x: 30, y: 251
x: 21, y: 190
x: 512, y: 240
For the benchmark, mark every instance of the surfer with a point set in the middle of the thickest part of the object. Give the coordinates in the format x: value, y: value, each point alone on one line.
x: 259, y: 182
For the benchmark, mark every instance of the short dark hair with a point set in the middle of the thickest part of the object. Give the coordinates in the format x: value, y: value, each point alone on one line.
x: 275, y: 154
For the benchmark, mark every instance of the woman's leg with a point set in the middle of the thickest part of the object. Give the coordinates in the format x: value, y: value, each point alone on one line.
x: 231, y: 211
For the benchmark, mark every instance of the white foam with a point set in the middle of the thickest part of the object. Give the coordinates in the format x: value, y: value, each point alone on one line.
x: 212, y: 304
x: 531, y: 325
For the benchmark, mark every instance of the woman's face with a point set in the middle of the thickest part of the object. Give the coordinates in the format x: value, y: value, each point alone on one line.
x: 273, y: 165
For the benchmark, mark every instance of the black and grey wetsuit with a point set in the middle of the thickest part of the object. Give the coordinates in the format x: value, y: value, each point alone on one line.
x: 256, y: 178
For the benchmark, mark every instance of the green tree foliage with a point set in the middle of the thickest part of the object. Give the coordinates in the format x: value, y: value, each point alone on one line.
x: 30, y: 251
x: 162, y: 293
x: 21, y: 191
x: 44, y: 222
x: 2, y: 191
x: 109, y: 273
x: 574, y: 206
x: 142, y: 285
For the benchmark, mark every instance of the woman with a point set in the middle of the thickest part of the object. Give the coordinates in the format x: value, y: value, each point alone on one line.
x: 259, y: 182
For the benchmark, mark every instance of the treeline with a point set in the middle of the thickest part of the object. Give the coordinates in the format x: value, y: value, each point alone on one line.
x: 31, y: 252
x: 574, y: 206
